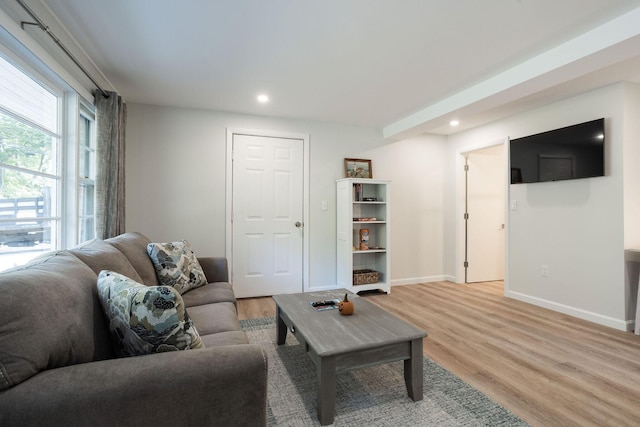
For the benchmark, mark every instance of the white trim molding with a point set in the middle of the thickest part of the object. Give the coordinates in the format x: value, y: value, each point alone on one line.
x: 619, y: 324
x: 418, y: 280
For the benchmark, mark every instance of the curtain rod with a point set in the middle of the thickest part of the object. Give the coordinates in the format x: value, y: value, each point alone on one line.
x: 46, y: 29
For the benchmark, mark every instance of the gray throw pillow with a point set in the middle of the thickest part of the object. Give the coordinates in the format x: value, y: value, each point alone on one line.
x: 145, y: 319
x: 176, y: 265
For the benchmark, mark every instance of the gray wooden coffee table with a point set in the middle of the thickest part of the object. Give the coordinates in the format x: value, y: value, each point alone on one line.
x: 338, y: 343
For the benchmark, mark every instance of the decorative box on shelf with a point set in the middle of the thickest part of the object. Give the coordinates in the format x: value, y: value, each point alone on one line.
x: 365, y: 277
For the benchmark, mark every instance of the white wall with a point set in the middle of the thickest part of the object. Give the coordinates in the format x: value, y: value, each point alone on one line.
x: 416, y: 168
x: 175, y: 168
x: 574, y: 227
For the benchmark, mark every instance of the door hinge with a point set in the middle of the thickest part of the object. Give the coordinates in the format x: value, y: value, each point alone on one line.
x: 466, y: 264
x: 466, y: 216
x: 466, y: 168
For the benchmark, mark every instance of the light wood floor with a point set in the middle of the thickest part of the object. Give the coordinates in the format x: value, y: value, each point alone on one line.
x: 548, y: 368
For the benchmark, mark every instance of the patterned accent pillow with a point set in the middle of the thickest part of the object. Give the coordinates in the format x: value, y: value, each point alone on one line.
x: 176, y: 265
x: 145, y: 319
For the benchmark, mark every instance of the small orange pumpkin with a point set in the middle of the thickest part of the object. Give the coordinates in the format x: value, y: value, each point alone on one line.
x: 346, y: 307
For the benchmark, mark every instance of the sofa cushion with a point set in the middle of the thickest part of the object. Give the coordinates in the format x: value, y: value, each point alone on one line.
x: 134, y: 246
x: 99, y: 256
x: 145, y: 319
x: 215, y: 268
x: 176, y: 265
x: 215, y: 318
x: 211, y: 293
x: 50, y: 317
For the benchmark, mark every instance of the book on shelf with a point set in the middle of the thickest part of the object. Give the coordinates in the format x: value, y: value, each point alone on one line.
x: 365, y: 219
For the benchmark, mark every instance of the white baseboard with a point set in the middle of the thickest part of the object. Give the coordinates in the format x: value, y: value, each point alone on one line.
x: 321, y: 288
x: 416, y: 280
x: 621, y: 325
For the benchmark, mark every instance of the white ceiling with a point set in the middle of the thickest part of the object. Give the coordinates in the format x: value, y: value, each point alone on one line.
x: 395, y: 65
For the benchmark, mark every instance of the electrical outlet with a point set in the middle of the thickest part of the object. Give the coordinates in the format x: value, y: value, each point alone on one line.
x: 544, y: 270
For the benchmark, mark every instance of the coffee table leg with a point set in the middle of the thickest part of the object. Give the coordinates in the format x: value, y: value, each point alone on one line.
x: 281, y: 330
x: 326, y: 390
x: 413, y: 374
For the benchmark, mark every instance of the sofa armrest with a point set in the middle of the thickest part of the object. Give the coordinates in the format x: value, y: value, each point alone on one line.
x: 215, y: 268
x: 224, y: 385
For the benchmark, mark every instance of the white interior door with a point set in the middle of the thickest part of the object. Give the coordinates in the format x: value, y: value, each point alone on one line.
x: 267, y: 215
x: 486, y: 208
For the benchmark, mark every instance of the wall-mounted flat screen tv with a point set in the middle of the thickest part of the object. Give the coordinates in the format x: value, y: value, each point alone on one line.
x: 572, y: 152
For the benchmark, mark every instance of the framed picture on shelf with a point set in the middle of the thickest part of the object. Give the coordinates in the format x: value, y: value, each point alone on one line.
x: 357, y: 168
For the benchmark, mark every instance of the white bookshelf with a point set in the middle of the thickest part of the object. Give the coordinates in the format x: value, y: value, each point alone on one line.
x: 359, y: 199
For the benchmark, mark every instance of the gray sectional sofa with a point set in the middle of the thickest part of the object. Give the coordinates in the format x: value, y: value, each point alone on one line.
x: 57, y: 362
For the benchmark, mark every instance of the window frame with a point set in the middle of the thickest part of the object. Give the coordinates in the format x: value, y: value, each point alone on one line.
x: 86, y: 112
x: 71, y: 109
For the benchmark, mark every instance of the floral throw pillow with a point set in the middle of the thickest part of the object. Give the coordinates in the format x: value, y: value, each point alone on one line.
x: 145, y: 319
x: 176, y: 265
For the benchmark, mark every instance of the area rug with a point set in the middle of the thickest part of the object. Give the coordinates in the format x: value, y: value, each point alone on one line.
x: 372, y: 396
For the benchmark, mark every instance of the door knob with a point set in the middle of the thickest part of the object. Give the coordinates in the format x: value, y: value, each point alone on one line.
x: 298, y: 224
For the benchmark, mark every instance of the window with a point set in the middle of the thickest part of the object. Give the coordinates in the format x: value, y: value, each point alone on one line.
x: 86, y: 175
x: 40, y: 200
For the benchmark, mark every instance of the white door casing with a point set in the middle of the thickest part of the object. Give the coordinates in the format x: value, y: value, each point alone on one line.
x: 266, y: 215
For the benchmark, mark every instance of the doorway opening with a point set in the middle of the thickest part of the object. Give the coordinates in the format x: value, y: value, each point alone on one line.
x: 484, y: 214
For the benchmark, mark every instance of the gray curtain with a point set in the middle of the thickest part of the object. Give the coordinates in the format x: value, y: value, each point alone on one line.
x: 111, y: 120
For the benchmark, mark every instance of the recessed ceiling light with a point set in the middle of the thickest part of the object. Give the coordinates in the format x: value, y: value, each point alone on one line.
x: 454, y: 122
x: 263, y: 98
